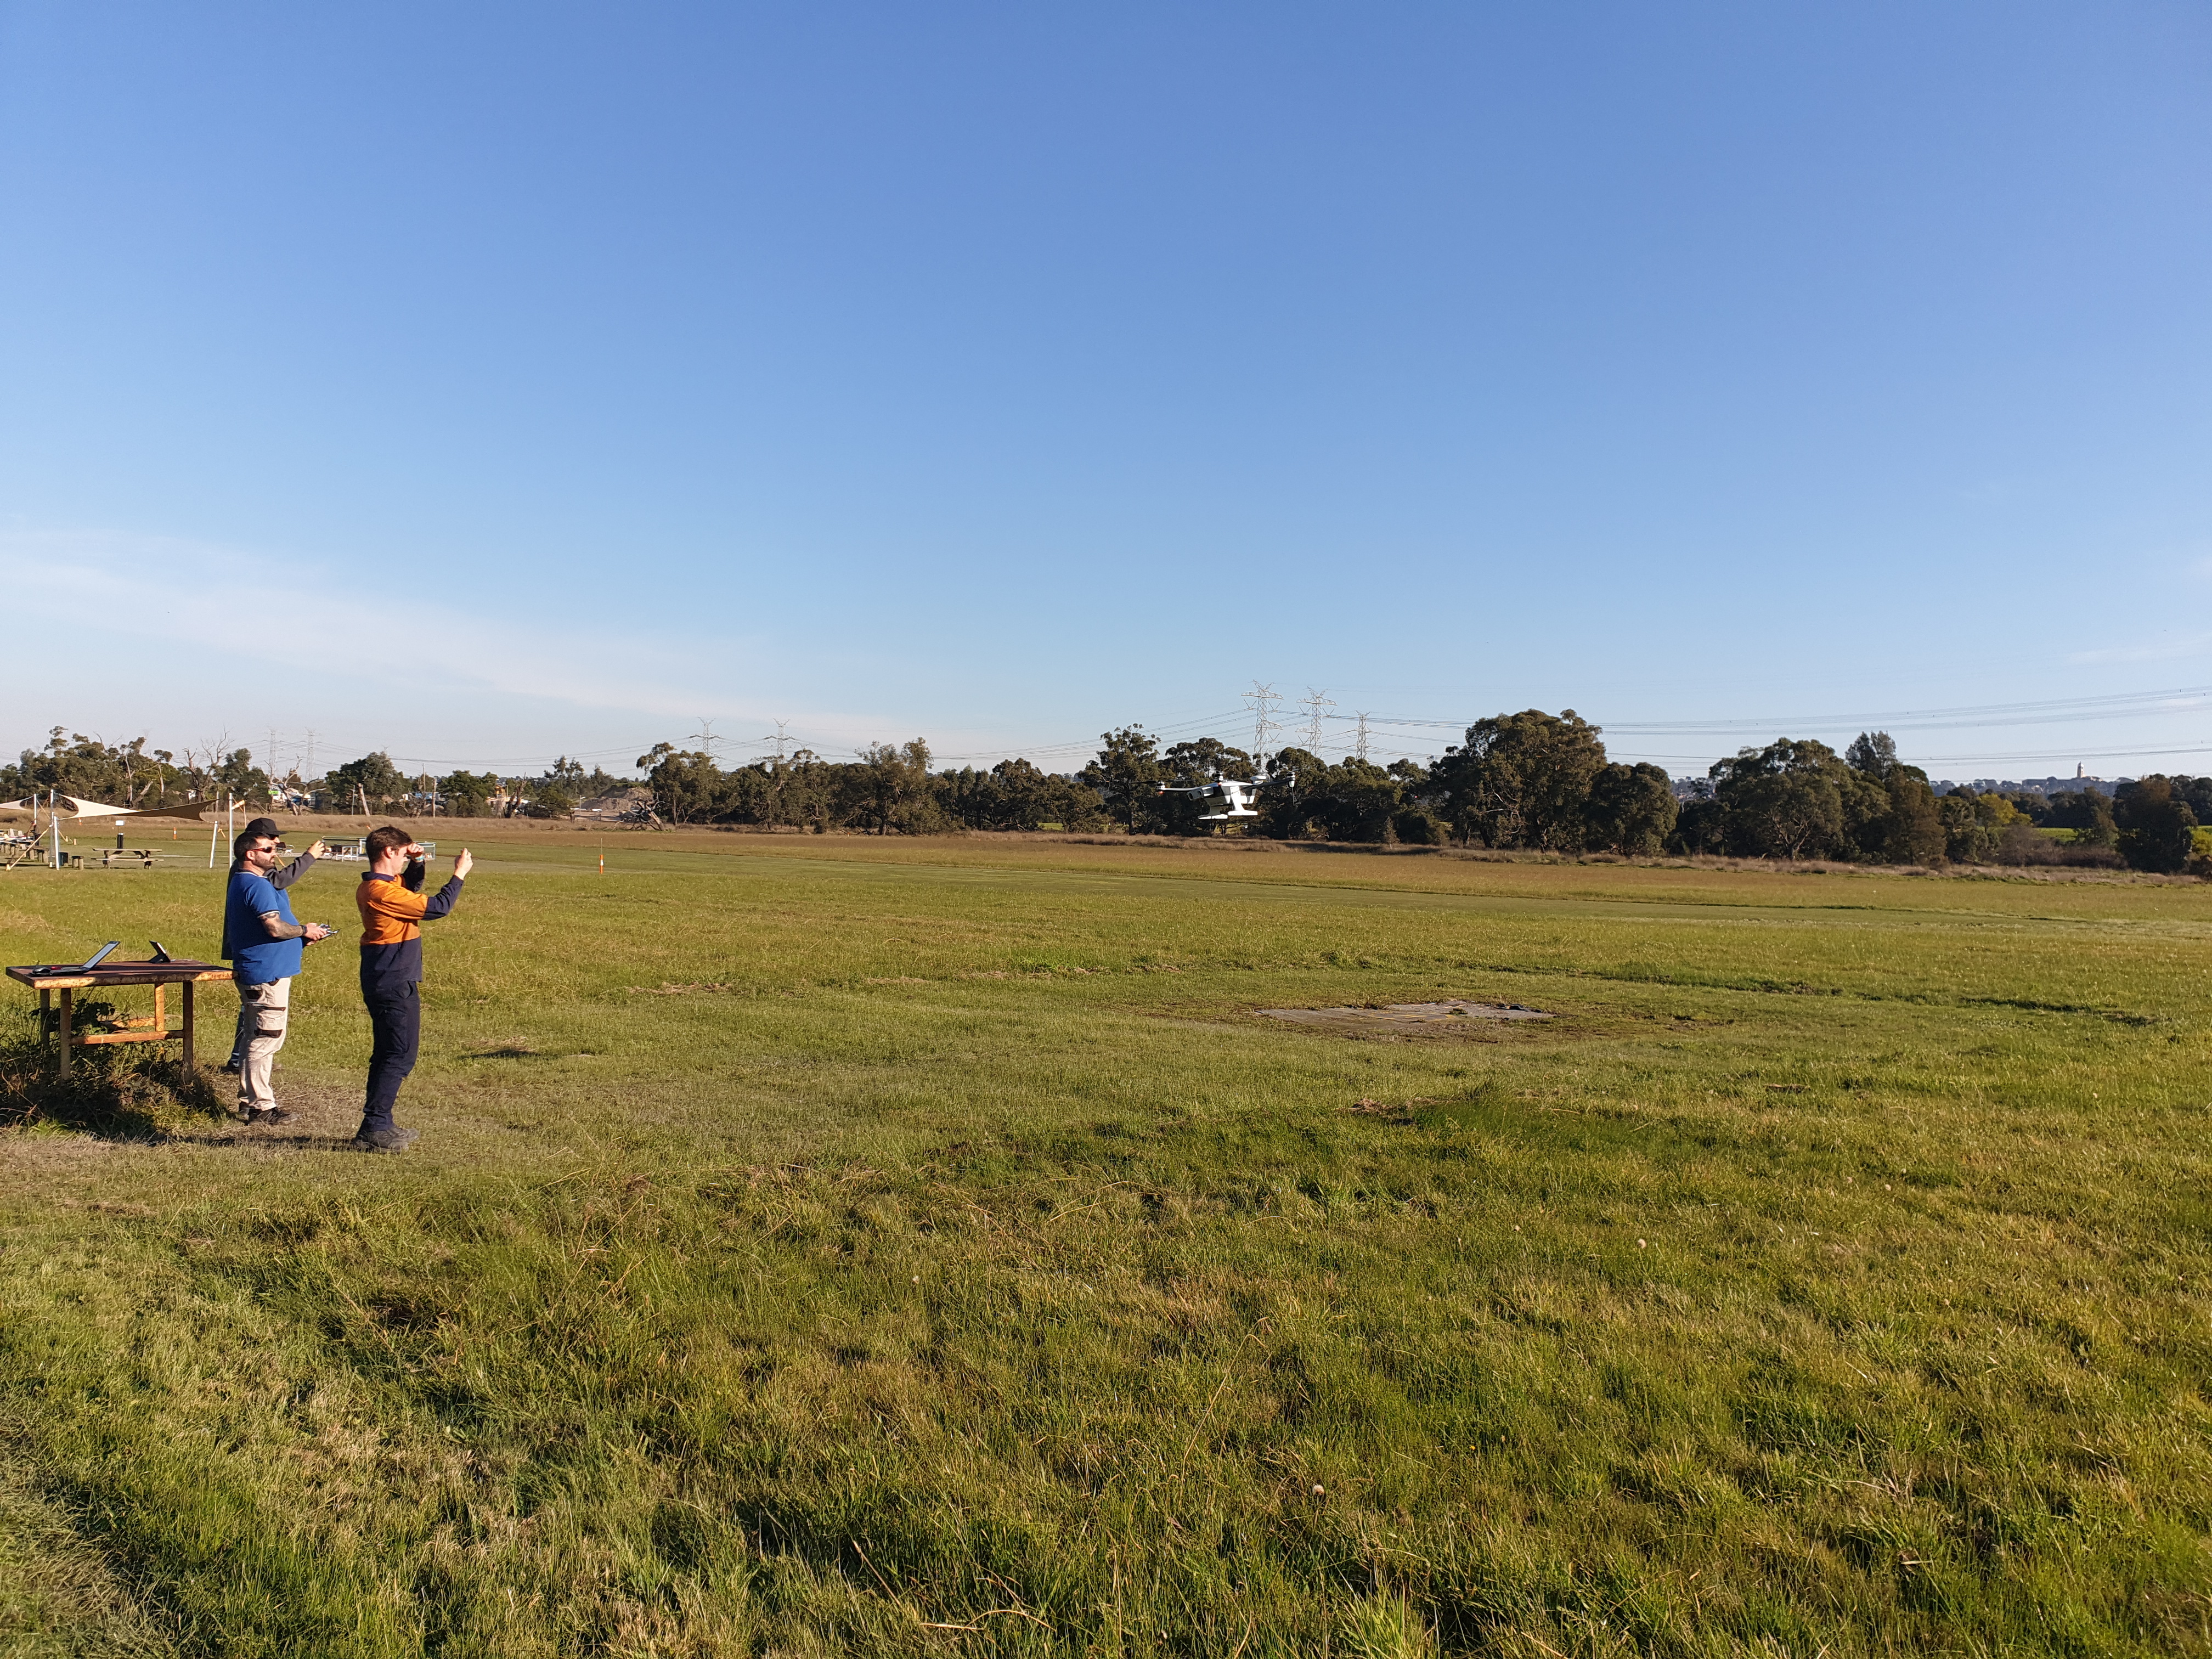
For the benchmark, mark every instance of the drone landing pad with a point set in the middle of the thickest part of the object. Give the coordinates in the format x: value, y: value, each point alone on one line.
x: 1410, y: 1017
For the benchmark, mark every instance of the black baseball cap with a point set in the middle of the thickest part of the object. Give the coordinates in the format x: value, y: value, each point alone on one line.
x: 263, y: 827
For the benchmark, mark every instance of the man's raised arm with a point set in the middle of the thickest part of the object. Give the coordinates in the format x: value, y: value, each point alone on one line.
x: 450, y: 893
x: 280, y: 879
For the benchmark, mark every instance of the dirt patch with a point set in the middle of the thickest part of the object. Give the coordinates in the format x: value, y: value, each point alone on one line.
x: 1409, y: 1018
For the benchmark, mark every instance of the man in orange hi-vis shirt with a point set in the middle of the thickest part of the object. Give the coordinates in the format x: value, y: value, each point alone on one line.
x: 392, y: 912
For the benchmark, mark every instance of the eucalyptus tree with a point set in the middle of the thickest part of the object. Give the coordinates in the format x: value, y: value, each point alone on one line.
x: 1521, y: 779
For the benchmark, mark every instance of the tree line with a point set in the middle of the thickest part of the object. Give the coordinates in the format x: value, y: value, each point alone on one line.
x: 1798, y: 799
x: 132, y: 774
x: 1528, y: 781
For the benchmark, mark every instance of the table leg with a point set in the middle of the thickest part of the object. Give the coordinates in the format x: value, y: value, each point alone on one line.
x: 188, y: 1028
x: 46, y: 1019
x: 162, y: 1008
x: 61, y: 1064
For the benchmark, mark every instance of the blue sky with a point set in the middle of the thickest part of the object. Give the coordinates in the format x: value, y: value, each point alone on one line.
x: 481, y: 383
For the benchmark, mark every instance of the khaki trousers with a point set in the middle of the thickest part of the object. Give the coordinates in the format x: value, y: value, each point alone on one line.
x: 263, y: 1011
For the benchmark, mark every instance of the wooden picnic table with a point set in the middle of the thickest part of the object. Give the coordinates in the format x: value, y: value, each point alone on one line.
x: 69, y: 979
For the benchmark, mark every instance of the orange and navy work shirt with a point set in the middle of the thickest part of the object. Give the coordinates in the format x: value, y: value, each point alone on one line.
x: 393, y: 910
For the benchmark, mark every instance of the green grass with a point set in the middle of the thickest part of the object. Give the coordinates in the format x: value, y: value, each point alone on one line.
x: 819, y: 1246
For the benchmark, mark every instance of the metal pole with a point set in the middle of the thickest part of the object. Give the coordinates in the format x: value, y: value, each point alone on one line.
x: 215, y: 828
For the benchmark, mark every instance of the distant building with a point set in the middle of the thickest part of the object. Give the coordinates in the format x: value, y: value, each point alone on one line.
x: 2078, y: 783
x: 620, y: 804
x: 1686, y: 789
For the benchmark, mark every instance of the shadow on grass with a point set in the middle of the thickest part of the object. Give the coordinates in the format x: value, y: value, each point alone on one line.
x: 265, y: 1140
x: 120, y: 1092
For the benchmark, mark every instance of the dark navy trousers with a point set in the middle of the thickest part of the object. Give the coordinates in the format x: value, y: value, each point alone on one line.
x: 395, y: 1014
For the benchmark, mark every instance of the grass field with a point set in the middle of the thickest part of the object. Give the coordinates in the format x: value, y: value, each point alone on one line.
x: 820, y: 1246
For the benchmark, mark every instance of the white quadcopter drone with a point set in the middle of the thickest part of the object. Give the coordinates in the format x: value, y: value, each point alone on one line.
x: 1234, y: 795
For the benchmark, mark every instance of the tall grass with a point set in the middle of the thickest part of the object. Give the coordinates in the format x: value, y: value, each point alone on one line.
x: 904, y: 1252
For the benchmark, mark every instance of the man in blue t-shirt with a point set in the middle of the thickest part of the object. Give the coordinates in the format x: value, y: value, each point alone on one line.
x: 280, y: 877
x: 264, y: 945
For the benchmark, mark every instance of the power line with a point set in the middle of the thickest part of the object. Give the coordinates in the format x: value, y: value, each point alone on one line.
x: 2040, y: 712
x: 1201, y: 723
x: 524, y: 760
x: 1261, y: 700
x: 1313, y: 703
x: 2063, y: 755
x: 1415, y: 734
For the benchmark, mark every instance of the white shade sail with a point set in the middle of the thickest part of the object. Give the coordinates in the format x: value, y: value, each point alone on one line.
x: 76, y: 806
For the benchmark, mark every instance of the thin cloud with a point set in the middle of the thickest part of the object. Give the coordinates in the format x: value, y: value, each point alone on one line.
x: 83, y: 597
x: 102, y: 587
x: 2193, y: 645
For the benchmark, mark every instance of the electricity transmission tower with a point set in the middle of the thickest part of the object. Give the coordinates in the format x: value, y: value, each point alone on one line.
x: 1261, y: 700
x: 705, y: 737
x: 778, y: 740
x: 1361, y: 751
x: 1313, y: 703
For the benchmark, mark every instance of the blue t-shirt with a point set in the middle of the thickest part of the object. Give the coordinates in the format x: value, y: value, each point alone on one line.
x: 255, y: 958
